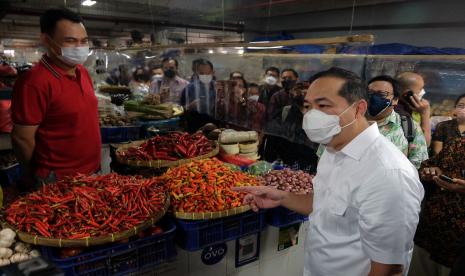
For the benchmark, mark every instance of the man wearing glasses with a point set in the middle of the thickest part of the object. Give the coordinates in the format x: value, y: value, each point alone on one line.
x: 384, y: 93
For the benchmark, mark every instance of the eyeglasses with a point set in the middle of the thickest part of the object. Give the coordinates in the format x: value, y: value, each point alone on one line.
x: 460, y: 106
x: 381, y: 93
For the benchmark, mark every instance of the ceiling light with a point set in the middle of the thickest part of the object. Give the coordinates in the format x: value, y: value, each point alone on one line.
x: 261, y: 48
x: 210, y: 51
x: 88, y: 3
x: 240, y: 52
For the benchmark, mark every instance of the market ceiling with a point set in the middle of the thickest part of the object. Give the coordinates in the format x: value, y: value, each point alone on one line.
x: 116, y: 18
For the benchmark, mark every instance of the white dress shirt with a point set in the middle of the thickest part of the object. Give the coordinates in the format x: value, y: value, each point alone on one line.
x: 366, y: 206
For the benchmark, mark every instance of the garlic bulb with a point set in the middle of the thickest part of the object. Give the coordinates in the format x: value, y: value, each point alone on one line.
x: 7, y: 234
x: 4, y: 262
x: 5, y: 253
x: 19, y: 257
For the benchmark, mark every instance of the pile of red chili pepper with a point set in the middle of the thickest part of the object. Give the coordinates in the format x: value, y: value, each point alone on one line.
x: 88, y: 206
x: 171, y: 147
x: 205, y: 186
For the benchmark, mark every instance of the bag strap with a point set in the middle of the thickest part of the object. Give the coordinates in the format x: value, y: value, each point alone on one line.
x: 407, y: 127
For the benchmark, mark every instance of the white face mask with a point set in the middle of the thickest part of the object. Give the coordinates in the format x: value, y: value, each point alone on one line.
x: 157, y: 77
x: 321, y: 127
x: 74, y: 55
x: 270, y: 80
x: 254, y: 98
x: 205, y: 79
x: 421, y: 94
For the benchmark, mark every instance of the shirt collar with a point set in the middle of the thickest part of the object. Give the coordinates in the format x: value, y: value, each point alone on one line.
x: 357, y: 147
x: 54, y: 69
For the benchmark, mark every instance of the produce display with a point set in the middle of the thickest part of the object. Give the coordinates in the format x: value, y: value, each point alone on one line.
x: 87, y: 206
x: 171, y: 147
x: 14, y: 252
x: 205, y: 186
x: 109, y: 120
x: 114, y: 89
x: 288, y: 180
x: 150, y: 108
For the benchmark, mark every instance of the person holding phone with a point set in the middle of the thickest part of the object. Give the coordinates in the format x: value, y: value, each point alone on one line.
x: 412, y: 101
x: 442, y: 219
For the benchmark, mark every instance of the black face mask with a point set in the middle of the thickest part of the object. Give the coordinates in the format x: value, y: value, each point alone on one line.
x: 169, y: 73
x: 288, y: 84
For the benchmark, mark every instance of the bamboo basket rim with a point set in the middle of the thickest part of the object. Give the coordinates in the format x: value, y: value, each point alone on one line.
x: 91, y: 241
x: 160, y: 163
x: 212, y: 215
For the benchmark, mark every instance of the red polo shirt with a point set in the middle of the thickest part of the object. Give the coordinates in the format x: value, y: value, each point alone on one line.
x: 65, y: 110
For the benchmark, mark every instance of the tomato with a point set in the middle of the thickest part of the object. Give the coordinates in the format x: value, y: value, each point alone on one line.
x: 70, y: 252
x: 156, y: 231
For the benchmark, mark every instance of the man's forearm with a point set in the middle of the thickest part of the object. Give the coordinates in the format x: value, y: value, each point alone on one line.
x: 426, y: 127
x: 23, y: 149
x: 302, y: 204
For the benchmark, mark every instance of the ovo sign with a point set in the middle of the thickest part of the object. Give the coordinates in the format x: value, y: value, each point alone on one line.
x: 214, y: 254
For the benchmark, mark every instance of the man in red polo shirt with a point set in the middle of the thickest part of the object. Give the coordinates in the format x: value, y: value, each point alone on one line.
x: 54, y: 108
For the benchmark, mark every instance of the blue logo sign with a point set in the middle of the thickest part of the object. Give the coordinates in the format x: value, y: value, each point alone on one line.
x: 214, y: 254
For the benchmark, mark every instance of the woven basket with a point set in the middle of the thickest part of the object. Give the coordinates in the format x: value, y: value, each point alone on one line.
x: 159, y: 163
x: 113, y: 89
x: 212, y: 215
x: 86, y: 242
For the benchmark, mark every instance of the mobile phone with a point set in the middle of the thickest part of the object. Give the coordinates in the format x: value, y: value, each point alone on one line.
x: 407, y: 96
x: 446, y: 178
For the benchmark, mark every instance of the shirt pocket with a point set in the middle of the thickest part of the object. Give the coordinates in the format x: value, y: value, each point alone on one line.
x: 340, y: 216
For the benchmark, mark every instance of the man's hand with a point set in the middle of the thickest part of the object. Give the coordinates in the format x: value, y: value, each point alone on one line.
x: 379, y: 269
x: 193, y: 105
x: 428, y: 174
x: 421, y: 106
x: 457, y: 186
x: 261, y: 197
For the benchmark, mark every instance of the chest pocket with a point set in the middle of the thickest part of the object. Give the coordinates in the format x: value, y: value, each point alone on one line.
x: 338, y: 206
x: 340, y: 216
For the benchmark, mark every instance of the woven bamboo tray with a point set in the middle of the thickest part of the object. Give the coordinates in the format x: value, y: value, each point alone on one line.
x: 212, y: 215
x: 113, y: 89
x: 86, y: 242
x: 159, y: 163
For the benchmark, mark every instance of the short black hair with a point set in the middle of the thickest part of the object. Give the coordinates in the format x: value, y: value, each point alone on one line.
x: 354, y: 88
x: 49, y: 19
x: 274, y: 69
x: 202, y: 61
x: 155, y: 67
x: 290, y: 70
x: 458, y: 99
x: 253, y: 85
x: 168, y: 59
x: 395, y: 84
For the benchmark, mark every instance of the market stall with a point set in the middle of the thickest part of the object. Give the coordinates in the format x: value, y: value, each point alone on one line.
x: 181, y: 217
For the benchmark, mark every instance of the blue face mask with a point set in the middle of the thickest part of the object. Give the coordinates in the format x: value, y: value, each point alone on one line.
x: 377, y: 104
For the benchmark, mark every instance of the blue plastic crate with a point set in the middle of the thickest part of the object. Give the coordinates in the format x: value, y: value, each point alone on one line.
x: 173, y: 124
x: 131, y: 133
x: 120, y: 259
x: 120, y: 134
x: 281, y: 217
x: 10, y: 175
x: 193, y: 235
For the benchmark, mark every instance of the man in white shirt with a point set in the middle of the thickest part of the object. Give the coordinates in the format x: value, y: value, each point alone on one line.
x: 367, y: 195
